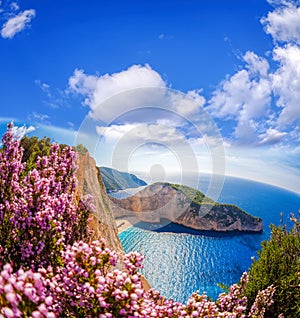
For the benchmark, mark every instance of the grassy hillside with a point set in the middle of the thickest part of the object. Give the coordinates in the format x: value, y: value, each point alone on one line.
x: 193, y: 194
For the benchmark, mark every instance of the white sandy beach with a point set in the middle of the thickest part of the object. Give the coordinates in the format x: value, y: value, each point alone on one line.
x: 125, y: 222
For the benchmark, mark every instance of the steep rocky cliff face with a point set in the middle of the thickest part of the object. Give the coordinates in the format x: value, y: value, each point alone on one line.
x: 102, y: 221
x: 90, y: 182
x: 158, y: 200
x: 162, y: 200
x: 222, y: 217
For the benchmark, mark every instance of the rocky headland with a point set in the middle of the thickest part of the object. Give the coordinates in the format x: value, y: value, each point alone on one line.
x: 186, y: 206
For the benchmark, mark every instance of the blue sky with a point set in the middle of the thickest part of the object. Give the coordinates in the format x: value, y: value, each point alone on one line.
x: 159, y: 86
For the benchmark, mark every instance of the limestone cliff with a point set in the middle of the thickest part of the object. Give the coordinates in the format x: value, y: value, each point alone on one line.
x: 90, y: 182
x: 221, y: 217
x: 185, y: 206
x: 102, y: 222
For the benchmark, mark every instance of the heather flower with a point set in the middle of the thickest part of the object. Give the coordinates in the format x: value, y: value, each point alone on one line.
x: 263, y: 300
x: 39, y: 212
x: 23, y: 293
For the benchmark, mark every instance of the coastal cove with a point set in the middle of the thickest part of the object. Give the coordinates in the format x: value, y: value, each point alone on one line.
x: 185, y: 206
x: 178, y: 262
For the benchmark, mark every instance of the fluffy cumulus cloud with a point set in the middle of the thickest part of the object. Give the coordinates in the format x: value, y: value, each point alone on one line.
x: 187, y: 104
x: 160, y: 132
x: 100, y: 88
x: 272, y: 136
x: 283, y: 24
x: 263, y: 101
x: 83, y: 84
x: 255, y: 64
x: 17, y: 23
x: 21, y: 131
x: 241, y: 96
x: 286, y: 83
x: 111, y: 95
x: 244, y: 97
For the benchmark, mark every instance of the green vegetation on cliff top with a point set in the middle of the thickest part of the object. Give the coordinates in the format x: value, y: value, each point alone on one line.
x: 200, y: 198
x: 193, y: 194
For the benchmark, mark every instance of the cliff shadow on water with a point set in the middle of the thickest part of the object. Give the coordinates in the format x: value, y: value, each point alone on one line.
x: 167, y: 226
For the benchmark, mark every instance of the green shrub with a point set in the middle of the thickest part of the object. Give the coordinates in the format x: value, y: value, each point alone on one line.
x: 279, y: 264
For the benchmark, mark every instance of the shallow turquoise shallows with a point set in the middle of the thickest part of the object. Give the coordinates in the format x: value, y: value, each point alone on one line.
x: 177, y: 264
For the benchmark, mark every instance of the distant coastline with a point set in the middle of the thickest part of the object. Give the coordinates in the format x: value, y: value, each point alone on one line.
x: 115, y: 180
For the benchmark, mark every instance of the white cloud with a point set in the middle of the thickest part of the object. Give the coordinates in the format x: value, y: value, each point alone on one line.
x: 283, y: 24
x: 286, y: 83
x: 83, y: 84
x: 105, y: 86
x: 160, y: 132
x: 272, y: 136
x: 17, y: 23
x: 244, y: 97
x: 14, y: 6
x: 256, y: 64
x: 99, y: 89
x: 41, y: 118
x: 189, y: 103
x: 246, y: 131
x: 20, y: 132
x: 110, y: 96
x: 43, y: 86
x: 282, y: 3
x: 249, y: 96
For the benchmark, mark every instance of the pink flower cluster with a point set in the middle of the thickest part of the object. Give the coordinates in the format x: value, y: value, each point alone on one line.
x: 39, y: 212
x: 90, y: 285
x: 48, y: 270
x: 23, y: 294
x: 263, y: 300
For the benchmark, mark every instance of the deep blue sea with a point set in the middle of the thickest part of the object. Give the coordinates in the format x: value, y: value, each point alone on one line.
x: 177, y: 264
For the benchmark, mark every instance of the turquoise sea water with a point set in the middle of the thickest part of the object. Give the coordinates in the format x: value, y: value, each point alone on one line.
x: 177, y: 264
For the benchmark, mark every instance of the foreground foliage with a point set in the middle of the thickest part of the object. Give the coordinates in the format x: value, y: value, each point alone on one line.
x: 279, y: 264
x: 48, y: 267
